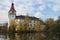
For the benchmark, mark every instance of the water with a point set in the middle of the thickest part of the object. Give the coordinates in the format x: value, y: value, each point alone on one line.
x: 30, y: 36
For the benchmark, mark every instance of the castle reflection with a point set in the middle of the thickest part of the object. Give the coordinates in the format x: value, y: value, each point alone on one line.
x: 30, y: 36
x: 26, y: 36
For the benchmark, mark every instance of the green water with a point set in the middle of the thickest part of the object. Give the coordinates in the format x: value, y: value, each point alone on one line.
x: 31, y: 36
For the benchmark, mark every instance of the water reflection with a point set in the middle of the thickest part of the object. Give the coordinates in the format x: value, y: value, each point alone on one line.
x: 26, y: 36
x: 3, y: 36
x: 30, y: 36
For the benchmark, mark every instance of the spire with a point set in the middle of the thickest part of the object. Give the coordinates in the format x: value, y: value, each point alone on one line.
x: 12, y: 7
x: 27, y: 14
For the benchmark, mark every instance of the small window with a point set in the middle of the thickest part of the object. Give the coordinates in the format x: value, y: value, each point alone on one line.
x: 30, y: 24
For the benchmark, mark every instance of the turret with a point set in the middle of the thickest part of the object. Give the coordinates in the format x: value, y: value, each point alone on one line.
x: 12, y: 12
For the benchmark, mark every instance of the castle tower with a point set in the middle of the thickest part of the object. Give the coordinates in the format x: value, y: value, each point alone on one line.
x: 12, y: 12
x: 11, y: 15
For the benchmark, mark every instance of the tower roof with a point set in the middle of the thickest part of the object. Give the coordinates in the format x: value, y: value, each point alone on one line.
x: 12, y: 8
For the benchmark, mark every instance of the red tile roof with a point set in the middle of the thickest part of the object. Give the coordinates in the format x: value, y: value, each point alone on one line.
x: 12, y: 8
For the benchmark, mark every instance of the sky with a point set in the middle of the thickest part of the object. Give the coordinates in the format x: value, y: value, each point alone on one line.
x: 42, y: 9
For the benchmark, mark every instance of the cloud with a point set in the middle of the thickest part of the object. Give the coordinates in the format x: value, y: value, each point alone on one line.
x: 21, y: 8
x: 55, y: 18
x: 34, y: 7
x: 3, y: 16
x: 4, y: 8
x: 56, y: 8
x: 5, y: 3
x: 55, y: 1
x: 38, y: 14
x: 42, y: 7
x: 54, y: 5
x: 51, y: 16
x: 40, y: 1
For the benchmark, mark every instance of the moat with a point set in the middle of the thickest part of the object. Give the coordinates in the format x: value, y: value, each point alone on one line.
x: 30, y: 36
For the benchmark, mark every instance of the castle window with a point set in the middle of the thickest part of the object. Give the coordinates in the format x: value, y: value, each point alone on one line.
x: 30, y: 24
x: 34, y: 24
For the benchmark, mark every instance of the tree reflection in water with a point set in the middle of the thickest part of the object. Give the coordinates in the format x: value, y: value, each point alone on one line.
x: 31, y: 36
x: 26, y: 36
x: 53, y: 36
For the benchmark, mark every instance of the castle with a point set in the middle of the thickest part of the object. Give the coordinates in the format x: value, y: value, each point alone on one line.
x: 19, y: 23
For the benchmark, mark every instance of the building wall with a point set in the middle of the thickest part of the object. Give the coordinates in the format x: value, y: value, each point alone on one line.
x: 35, y: 25
x: 30, y: 26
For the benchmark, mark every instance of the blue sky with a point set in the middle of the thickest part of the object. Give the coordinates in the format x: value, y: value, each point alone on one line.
x: 39, y: 8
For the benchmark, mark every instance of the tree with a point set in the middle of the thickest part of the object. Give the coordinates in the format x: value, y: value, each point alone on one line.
x: 49, y: 20
x: 57, y: 23
x: 37, y: 26
x: 49, y: 23
x: 26, y: 22
x: 20, y: 26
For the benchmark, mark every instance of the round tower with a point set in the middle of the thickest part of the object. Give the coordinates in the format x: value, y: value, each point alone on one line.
x: 11, y: 16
